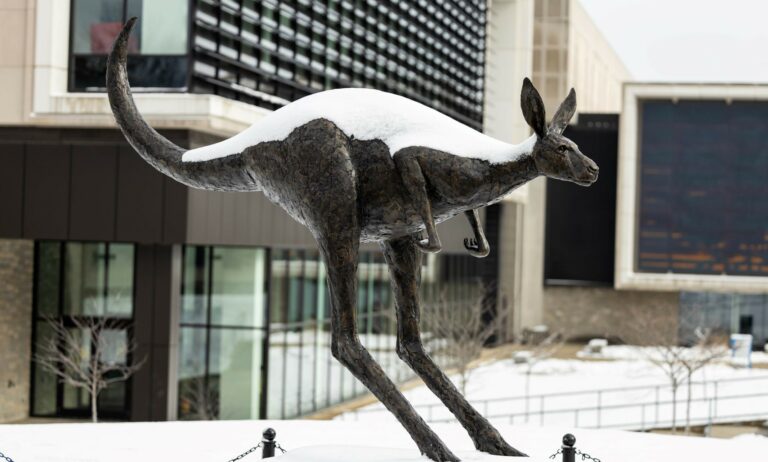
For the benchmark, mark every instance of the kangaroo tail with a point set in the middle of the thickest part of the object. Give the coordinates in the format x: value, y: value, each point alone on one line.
x: 158, y: 151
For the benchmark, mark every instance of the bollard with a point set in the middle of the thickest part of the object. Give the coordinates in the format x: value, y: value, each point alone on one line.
x: 268, y: 443
x: 569, y: 452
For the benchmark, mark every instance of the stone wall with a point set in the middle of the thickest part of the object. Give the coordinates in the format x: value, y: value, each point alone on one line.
x: 635, y: 317
x: 16, y: 263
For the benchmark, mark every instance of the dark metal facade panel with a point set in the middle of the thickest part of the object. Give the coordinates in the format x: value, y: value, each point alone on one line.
x: 46, y: 191
x: 174, y: 211
x: 156, y: 307
x: 272, y: 51
x: 11, y: 190
x: 139, y: 199
x: 218, y: 218
x: 88, y: 185
x: 92, y: 192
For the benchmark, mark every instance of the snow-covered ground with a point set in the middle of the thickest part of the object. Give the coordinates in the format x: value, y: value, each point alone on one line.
x: 323, y: 441
x: 631, y: 390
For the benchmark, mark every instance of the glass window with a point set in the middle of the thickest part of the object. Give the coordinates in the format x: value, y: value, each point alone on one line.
x: 96, y: 23
x: 76, y: 281
x: 238, y: 286
x: 98, y: 279
x: 222, y: 332
x: 159, y: 42
x: 235, y: 371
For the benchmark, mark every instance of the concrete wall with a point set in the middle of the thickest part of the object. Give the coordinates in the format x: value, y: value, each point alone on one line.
x: 509, y: 59
x: 585, y: 312
x: 15, y: 49
x: 16, y: 266
x: 594, y: 68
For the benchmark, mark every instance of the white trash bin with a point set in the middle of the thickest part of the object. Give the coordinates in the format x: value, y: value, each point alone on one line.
x: 741, y: 350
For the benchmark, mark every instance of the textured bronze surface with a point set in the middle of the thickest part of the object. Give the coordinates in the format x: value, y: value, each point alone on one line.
x: 347, y: 191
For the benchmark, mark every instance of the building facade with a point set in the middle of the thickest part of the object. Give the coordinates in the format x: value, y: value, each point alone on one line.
x: 686, y: 163
x: 223, y: 294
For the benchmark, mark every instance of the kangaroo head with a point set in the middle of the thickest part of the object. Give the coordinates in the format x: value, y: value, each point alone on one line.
x: 555, y: 155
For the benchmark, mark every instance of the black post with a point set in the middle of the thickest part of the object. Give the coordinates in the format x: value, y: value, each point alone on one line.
x: 569, y: 452
x: 268, y: 443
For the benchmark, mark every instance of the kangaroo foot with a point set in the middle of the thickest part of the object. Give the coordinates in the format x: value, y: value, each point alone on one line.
x: 492, y: 443
x: 437, y: 451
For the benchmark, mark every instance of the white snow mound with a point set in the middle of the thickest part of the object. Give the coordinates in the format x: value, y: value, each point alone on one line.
x: 369, y: 115
x: 374, y: 454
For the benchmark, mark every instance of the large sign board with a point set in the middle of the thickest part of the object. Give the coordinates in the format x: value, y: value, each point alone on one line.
x: 693, y: 189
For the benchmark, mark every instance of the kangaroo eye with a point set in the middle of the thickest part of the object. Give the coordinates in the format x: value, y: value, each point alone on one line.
x: 562, y: 148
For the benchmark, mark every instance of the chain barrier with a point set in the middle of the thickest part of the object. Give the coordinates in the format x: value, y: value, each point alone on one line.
x: 245, y: 453
x: 5, y: 458
x: 584, y: 455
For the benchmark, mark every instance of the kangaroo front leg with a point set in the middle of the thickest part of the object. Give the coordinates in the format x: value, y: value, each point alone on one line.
x: 416, y: 186
x: 477, y: 247
x: 404, y: 262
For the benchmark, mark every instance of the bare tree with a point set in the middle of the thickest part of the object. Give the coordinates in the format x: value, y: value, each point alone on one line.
x: 200, y: 399
x: 663, y: 348
x: 709, y: 347
x: 82, y: 356
x: 535, y: 353
x: 457, y: 331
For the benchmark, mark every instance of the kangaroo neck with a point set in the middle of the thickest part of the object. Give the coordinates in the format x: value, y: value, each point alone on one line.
x: 508, y: 176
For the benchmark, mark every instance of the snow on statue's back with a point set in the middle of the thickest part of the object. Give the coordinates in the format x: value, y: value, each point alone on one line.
x: 367, y: 115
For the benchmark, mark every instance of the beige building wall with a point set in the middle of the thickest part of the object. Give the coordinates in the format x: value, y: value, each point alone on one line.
x: 582, y: 313
x: 509, y: 59
x: 15, y: 50
x: 571, y: 52
x: 568, y: 52
x: 594, y: 69
x: 16, y: 267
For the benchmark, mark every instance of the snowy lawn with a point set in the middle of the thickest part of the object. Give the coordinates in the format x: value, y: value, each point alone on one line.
x: 316, y: 441
x: 504, y: 382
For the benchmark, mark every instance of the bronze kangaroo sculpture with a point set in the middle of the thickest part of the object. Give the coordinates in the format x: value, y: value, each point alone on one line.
x: 352, y: 167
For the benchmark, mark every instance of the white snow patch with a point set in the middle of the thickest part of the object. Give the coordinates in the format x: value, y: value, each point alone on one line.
x: 323, y: 441
x: 369, y: 115
x: 504, y: 382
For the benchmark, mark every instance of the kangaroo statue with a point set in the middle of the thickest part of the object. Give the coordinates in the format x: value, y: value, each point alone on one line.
x: 358, y: 165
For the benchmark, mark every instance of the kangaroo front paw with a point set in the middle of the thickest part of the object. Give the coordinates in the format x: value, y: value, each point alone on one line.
x: 429, y: 246
x: 475, y: 249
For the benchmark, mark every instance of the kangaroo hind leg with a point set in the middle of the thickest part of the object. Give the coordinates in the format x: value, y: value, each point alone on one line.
x: 404, y: 262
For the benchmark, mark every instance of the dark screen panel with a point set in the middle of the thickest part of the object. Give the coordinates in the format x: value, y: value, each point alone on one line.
x: 703, y: 206
x: 580, y: 229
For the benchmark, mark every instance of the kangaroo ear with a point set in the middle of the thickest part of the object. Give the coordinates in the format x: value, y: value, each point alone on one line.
x: 564, y: 113
x: 533, y: 108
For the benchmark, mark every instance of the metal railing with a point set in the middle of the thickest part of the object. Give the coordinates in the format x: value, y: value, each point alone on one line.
x: 641, y: 407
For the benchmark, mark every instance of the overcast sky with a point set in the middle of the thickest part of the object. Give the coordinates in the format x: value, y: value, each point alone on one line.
x: 687, y: 40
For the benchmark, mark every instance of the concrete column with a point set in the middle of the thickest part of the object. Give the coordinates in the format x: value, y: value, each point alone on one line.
x: 156, y: 330
x: 16, y: 269
x: 509, y: 59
